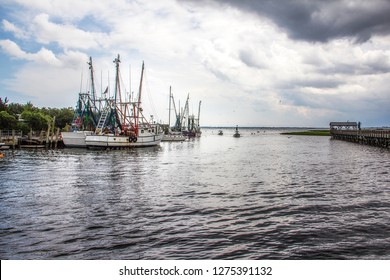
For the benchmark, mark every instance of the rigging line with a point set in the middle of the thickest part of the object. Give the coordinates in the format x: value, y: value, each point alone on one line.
x: 97, y: 84
x: 88, y: 85
x: 124, y: 87
x: 81, y: 81
x: 165, y: 112
x: 154, y: 111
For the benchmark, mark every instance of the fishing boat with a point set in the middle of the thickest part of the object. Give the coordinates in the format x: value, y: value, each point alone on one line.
x: 146, y: 137
x: 173, y: 134
x: 75, y: 138
x: 86, y: 115
x: 122, y: 123
x: 191, y: 127
x: 236, y: 133
x: 220, y: 132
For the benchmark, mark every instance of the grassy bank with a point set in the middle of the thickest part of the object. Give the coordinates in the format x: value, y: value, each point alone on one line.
x: 309, y: 133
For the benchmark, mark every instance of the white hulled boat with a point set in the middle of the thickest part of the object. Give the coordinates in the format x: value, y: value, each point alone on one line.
x: 147, y: 137
x: 75, y: 139
x: 122, y: 124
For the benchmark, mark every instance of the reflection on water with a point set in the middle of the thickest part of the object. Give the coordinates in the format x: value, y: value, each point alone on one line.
x: 264, y: 195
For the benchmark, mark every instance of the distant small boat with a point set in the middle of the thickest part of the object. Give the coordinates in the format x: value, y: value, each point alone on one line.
x: 236, y: 134
x: 220, y: 132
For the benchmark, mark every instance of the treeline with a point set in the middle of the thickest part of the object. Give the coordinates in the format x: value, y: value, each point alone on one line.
x: 26, y: 117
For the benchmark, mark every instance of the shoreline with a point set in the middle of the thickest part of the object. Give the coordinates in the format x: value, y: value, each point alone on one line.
x: 309, y: 133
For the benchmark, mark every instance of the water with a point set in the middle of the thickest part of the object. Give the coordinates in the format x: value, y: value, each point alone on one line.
x: 262, y: 196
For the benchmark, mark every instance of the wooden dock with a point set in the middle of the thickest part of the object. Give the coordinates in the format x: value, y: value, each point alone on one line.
x: 351, y: 132
x: 34, y: 140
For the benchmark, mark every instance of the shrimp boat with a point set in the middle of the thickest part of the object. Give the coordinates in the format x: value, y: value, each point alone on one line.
x: 189, y: 123
x: 122, y: 124
x: 86, y: 115
x: 173, y: 134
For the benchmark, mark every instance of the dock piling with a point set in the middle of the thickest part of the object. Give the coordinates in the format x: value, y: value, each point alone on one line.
x: 47, y: 136
x: 13, y: 139
x: 57, y: 134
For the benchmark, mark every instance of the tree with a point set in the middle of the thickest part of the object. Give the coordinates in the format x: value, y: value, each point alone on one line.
x: 36, y: 120
x: 15, y: 109
x: 30, y: 107
x: 33, y: 117
x: 7, y: 121
x: 3, y: 104
x: 21, y: 126
x: 64, y: 117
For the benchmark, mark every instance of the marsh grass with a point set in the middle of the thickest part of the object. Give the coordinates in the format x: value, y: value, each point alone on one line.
x: 309, y: 133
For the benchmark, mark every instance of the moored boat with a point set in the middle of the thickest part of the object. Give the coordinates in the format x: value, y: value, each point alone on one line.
x: 236, y: 133
x: 192, y: 128
x: 147, y: 137
x: 173, y: 134
x: 75, y: 138
x: 122, y: 124
x: 86, y: 114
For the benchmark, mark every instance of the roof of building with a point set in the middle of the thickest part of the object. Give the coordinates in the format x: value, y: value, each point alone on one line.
x: 343, y: 124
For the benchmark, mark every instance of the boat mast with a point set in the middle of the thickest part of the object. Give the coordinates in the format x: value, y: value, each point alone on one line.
x: 169, y: 115
x: 185, y: 113
x: 200, y: 102
x: 117, y: 85
x: 93, y: 93
x: 139, y: 99
x: 121, y: 118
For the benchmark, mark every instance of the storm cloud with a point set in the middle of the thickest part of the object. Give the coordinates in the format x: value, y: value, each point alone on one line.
x: 318, y: 20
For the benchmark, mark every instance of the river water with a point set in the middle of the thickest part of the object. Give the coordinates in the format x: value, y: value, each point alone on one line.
x: 261, y: 196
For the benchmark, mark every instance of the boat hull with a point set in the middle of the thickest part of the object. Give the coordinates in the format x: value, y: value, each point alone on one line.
x: 121, y: 141
x: 192, y: 134
x: 75, y: 139
x: 173, y: 138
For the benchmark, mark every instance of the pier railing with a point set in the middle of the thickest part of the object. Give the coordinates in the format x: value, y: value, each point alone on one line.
x: 374, y: 137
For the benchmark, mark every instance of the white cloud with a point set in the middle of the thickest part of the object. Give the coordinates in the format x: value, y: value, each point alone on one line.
x: 65, y: 35
x: 43, y: 56
x: 47, y: 86
x: 13, y: 49
x: 10, y: 27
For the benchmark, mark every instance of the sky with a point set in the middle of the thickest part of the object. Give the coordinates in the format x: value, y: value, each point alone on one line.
x: 264, y: 63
